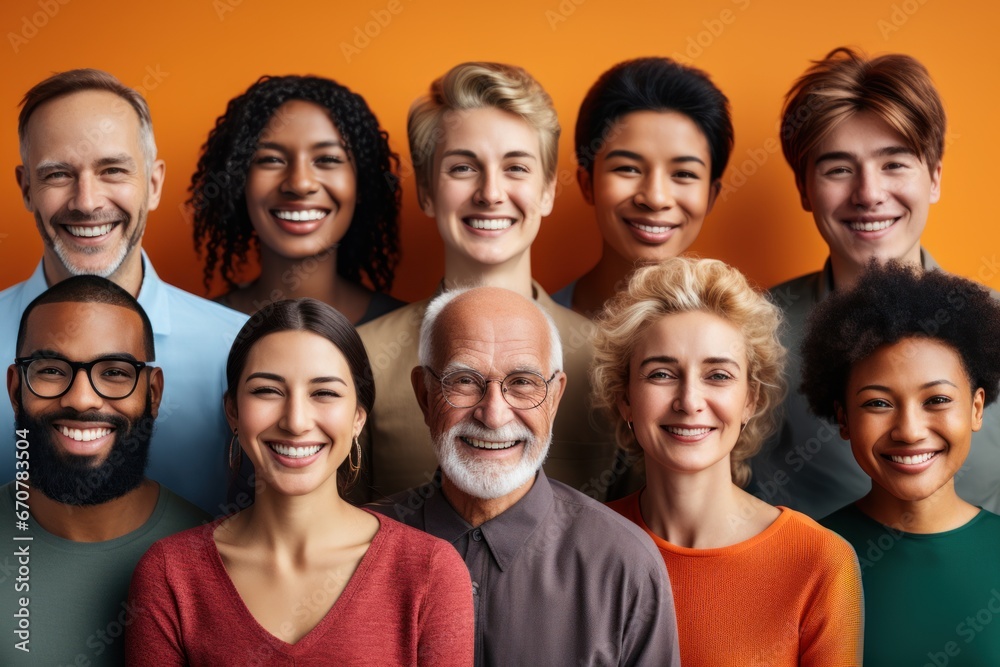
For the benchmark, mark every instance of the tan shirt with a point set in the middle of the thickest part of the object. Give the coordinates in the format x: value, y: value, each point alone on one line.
x: 398, y: 453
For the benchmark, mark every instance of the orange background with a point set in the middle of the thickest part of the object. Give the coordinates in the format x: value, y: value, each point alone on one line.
x: 191, y: 56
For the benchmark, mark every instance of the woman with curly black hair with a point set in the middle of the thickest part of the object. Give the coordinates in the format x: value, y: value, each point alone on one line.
x: 299, y: 169
x: 905, y: 363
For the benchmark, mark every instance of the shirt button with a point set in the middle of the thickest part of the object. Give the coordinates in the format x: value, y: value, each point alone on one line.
x: 477, y: 535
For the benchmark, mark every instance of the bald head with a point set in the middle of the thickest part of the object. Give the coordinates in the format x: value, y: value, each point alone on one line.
x: 509, y: 316
x: 490, y: 440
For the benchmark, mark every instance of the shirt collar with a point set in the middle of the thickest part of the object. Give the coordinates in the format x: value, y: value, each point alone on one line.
x: 505, y: 534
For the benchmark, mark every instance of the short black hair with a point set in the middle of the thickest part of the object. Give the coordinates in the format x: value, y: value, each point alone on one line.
x: 89, y: 289
x: 222, y: 226
x: 654, y: 84
x: 316, y: 317
x: 892, y: 302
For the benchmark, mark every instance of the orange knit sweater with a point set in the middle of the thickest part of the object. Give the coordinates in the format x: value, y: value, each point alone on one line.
x: 788, y: 596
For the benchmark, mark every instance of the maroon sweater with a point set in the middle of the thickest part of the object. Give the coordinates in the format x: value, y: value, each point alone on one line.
x: 408, y: 603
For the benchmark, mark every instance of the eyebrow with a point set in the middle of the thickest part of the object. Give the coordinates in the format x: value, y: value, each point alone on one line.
x: 926, y: 385
x: 621, y: 152
x: 52, y: 354
x: 887, y: 151
x: 278, y: 378
x: 121, y: 158
x: 673, y: 360
x: 464, y: 152
x: 271, y: 145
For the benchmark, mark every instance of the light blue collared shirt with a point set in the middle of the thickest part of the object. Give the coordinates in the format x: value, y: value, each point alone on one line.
x: 192, y: 338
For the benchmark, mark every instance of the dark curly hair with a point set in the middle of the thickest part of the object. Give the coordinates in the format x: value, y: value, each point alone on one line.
x: 222, y: 226
x: 890, y: 303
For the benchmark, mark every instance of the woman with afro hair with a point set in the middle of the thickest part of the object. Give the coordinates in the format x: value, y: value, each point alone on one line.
x: 299, y: 171
x: 904, y: 363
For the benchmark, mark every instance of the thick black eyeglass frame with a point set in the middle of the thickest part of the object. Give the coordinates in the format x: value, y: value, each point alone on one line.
x: 22, y: 364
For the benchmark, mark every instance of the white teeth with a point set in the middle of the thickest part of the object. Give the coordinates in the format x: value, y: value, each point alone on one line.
x: 651, y: 230
x: 300, y: 216
x: 872, y: 226
x: 688, y: 432
x: 913, y: 460
x: 296, y: 452
x: 99, y: 230
x: 485, y: 444
x: 501, y: 223
x: 84, y: 435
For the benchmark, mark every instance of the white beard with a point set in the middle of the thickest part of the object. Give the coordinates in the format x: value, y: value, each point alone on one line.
x: 488, y: 479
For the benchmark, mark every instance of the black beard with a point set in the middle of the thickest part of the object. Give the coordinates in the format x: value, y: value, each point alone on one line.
x: 81, y: 480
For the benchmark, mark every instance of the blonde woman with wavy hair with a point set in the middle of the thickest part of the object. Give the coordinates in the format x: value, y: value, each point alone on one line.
x: 689, y: 366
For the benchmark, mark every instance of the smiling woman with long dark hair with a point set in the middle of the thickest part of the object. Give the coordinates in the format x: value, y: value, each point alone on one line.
x: 301, y: 576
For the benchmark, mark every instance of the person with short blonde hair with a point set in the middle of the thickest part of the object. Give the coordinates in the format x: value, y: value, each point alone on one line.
x: 484, y: 143
x: 688, y: 362
x: 478, y: 85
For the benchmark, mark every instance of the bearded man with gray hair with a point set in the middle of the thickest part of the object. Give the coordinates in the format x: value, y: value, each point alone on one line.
x: 558, y: 578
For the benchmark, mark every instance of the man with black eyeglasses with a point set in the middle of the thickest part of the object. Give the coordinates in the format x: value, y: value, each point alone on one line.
x: 558, y: 578
x: 80, y: 512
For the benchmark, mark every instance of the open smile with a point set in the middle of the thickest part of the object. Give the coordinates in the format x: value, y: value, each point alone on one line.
x: 871, y: 225
x: 487, y: 444
x: 308, y: 215
x: 912, y: 460
x: 489, y: 224
x: 294, y: 452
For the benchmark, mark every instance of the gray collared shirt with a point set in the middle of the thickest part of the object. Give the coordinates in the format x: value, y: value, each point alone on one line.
x: 558, y: 579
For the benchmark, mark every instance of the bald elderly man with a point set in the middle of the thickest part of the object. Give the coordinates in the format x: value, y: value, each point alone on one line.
x: 558, y: 578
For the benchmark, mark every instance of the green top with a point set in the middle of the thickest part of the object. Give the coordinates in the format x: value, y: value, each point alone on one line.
x: 75, y: 592
x: 929, y: 599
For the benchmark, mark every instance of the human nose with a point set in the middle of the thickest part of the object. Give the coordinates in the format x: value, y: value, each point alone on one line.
x: 655, y: 192
x: 869, y: 189
x: 300, y: 179
x: 689, y: 398
x: 81, y: 395
x: 493, y: 411
x: 88, y: 196
x: 910, y: 426
x: 490, y: 189
x: 297, y: 417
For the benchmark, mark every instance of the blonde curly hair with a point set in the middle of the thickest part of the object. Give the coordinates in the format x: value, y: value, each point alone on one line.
x: 680, y: 285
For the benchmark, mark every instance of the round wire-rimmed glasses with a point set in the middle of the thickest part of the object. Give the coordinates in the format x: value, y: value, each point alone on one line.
x: 523, y: 390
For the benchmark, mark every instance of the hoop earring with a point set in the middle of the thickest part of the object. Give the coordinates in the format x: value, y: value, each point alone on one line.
x: 629, y: 424
x: 235, y: 453
x: 354, y: 467
x: 744, y: 425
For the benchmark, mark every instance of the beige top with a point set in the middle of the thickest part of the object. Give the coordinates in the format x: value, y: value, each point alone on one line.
x: 398, y: 453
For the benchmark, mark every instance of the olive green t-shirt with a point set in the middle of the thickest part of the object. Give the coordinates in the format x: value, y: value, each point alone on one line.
x: 65, y: 601
x: 930, y: 599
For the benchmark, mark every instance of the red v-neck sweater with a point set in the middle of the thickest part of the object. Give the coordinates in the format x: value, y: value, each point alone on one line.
x: 408, y: 603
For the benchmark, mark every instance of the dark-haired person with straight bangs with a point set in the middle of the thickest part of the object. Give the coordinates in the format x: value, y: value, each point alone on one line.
x: 299, y: 172
x: 653, y: 138
x: 904, y: 364
x: 301, y: 577
x: 865, y: 139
